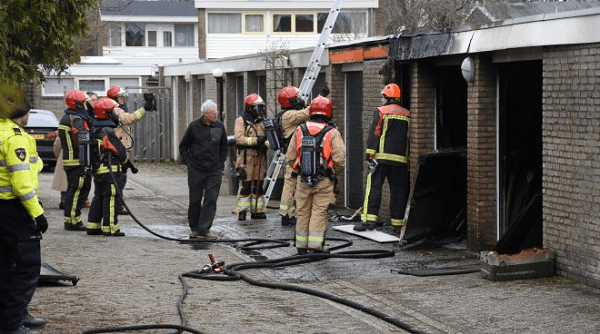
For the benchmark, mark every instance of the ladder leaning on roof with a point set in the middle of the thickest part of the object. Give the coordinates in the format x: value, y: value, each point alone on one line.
x: 313, y: 68
x: 308, y: 81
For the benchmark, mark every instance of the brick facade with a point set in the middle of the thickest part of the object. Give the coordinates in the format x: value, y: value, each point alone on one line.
x: 481, y: 156
x: 422, y: 116
x: 571, y: 178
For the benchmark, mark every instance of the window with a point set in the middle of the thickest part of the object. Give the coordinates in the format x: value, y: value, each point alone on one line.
x: 151, y: 38
x: 294, y: 22
x: 114, y: 35
x: 57, y: 87
x: 254, y: 23
x: 305, y: 22
x: 346, y: 23
x: 184, y: 35
x: 167, y: 39
x: 96, y: 86
x: 282, y: 23
x: 224, y: 23
x: 126, y: 82
x: 134, y: 34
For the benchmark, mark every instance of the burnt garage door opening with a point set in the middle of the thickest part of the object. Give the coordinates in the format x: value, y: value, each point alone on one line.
x: 520, y: 156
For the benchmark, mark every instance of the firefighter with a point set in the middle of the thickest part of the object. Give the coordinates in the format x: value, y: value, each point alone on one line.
x: 22, y: 221
x: 317, y: 167
x: 126, y: 119
x: 112, y: 157
x: 387, y: 150
x: 75, y: 140
x: 251, y: 161
x: 292, y: 115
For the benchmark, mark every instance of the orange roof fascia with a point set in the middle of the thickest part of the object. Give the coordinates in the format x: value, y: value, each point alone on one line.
x: 358, y: 55
x: 377, y: 52
x: 348, y: 56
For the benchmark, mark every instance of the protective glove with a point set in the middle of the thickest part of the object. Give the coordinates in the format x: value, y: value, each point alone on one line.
x: 150, y: 102
x: 260, y: 140
x: 41, y: 223
x: 129, y: 165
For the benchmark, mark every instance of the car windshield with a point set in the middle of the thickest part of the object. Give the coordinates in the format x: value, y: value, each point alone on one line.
x: 39, y: 119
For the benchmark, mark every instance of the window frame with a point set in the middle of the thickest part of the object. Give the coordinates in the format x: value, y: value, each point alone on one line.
x: 263, y: 18
x: 208, y: 25
x: 293, y: 29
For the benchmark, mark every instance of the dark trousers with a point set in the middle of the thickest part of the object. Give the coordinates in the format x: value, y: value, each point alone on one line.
x: 20, y: 263
x: 204, y: 187
x: 122, y: 181
x: 104, y: 204
x: 398, y: 180
x: 78, y: 189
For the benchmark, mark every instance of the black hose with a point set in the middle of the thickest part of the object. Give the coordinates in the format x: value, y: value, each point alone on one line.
x: 139, y: 327
x: 232, y: 273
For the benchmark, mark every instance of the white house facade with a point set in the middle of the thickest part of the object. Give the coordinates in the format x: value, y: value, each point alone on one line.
x: 234, y: 28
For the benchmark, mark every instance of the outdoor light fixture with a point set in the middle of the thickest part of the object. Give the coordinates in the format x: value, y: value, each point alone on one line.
x: 217, y: 73
x: 468, y: 69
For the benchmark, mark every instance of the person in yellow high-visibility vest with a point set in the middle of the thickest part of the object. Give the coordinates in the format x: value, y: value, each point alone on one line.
x: 22, y: 221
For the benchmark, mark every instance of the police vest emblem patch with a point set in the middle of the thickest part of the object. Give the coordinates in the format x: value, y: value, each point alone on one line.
x: 21, y: 154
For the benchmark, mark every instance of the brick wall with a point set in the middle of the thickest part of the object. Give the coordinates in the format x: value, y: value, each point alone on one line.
x: 422, y: 114
x: 571, y: 147
x: 481, y: 156
x: 201, y: 33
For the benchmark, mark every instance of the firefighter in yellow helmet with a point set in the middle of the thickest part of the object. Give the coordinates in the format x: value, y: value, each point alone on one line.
x: 22, y: 219
x: 251, y: 162
x: 292, y: 115
x: 387, y: 153
x: 317, y: 155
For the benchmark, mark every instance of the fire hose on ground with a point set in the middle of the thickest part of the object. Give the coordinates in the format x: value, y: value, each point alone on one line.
x: 217, y: 270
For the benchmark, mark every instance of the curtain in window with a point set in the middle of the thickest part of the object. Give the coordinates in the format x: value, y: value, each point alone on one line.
x: 282, y: 23
x: 134, y: 34
x: 58, y: 86
x: 224, y: 23
x: 254, y: 23
x: 115, y: 35
x: 184, y: 35
x: 96, y: 86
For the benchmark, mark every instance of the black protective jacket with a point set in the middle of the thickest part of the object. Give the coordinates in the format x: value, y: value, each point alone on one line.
x: 204, y: 146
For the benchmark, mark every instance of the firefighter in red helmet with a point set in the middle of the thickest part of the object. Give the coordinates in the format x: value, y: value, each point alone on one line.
x: 76, y: 143
x: 292, y: 115
x: 317, y: 155
x: 112, y: 157
x: 123, y: 130
x: 251, y: 162
x: 387, y: 151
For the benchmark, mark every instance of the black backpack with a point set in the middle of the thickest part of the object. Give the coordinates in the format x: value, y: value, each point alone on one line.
x: 312, y: 166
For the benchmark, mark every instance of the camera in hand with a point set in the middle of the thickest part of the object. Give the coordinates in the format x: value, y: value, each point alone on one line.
x: 150, y: 104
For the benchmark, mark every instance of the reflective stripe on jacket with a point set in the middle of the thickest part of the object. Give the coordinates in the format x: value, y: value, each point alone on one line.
x: 389, y: 134
x: 19, y: 167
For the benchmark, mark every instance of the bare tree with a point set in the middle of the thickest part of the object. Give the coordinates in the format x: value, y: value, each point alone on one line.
x: 418, y: 15
x: 277, y: 65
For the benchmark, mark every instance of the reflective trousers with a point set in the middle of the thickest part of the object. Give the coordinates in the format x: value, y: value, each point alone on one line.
x: 78, y: 188
x: 398, y: 181
x: 312, y: 204
x: 20, y: 263
x: 287, y: 205
x: 104, y: 210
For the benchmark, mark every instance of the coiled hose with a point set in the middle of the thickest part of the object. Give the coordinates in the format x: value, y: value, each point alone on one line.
x: 233, y: 272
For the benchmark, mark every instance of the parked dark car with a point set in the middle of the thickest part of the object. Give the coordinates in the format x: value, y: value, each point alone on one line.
x: 43, y: 126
